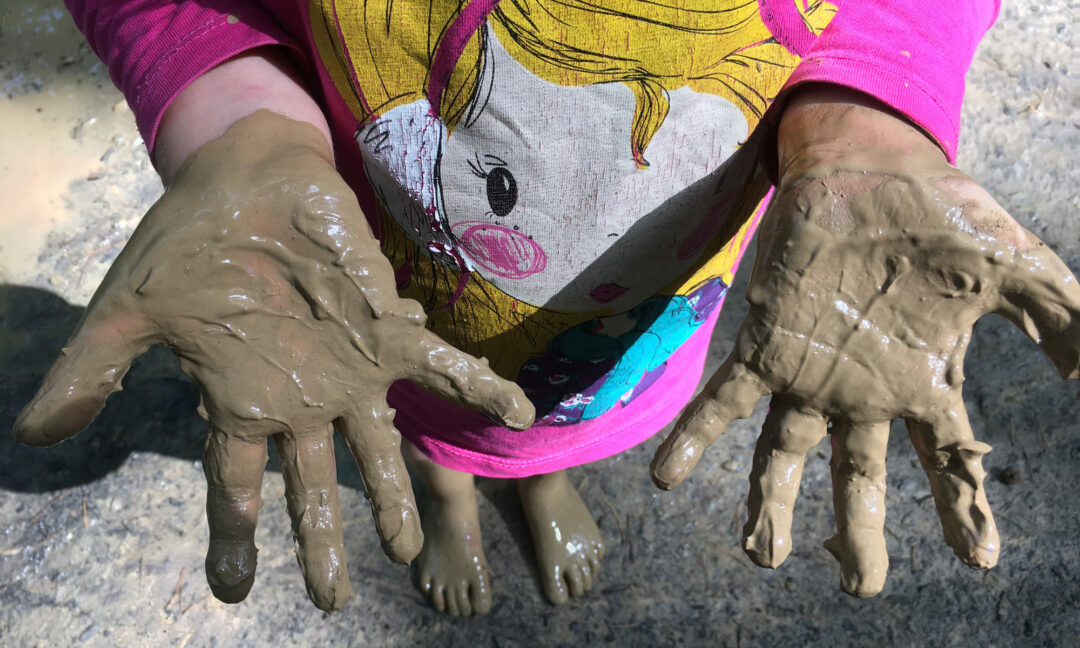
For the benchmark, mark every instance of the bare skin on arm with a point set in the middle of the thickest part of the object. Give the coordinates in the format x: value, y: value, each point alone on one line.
x: 875, y: 259
x: 257, y: 268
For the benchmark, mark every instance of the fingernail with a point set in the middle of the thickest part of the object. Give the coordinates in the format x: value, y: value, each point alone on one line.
x: 400, y: 533
x: 230, y: 569
x: 862, y: 573
x: 330, y: 594
x: 769, y: 555
x: 980, y: 558
x: 516, y: 413
x: 664, y: 475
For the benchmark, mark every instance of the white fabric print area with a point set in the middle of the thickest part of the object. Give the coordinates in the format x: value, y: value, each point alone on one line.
x: 537, y: 189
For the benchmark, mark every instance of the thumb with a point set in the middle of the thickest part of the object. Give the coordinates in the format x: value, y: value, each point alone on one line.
x: 1042, y: 298
x: 731, y: 393
x: 1036, y: 290
x: 90, y: 367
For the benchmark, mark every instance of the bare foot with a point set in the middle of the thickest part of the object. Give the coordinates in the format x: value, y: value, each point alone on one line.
x: 568, y: 543
x: 453, y: 571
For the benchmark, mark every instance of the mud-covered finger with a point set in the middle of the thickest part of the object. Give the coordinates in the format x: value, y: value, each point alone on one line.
x: 1041, y: 296
x: 234, y: 473
x: 375, y: 444
x: 952, y: 459
x: 462, y: 378
x: 555, y: 585
x: 594, y: 562
x: 307, y: 465
x: 1030, y: 284
x: 731, y: 393
x: 333, y: 221
x: 788, y: 434
x: 90, y: 367
x: 858, y: 474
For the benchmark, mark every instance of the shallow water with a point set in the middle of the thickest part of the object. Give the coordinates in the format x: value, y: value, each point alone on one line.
x: 68, y: 140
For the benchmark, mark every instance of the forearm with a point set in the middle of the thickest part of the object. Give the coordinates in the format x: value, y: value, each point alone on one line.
x: 155, y: 49
x: 909, y: 54
x: 822, y: 122
x: 259, y: 79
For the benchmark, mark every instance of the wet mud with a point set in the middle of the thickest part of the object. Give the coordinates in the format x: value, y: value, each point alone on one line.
x: 103, y: 538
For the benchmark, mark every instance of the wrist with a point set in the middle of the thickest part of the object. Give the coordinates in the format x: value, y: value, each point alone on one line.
x: 260, y: 79
x: 824, y: 123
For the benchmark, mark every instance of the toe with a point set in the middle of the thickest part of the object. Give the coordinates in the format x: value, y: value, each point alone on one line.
x: 594, y: 564
x: 555, y: 587
x: 451, y: 599
x: 574, y: 581
x: 425, y: 585
x: 586, y: 577
x: 438, y: 597
x: 480, y: 598
x: 461, y: 593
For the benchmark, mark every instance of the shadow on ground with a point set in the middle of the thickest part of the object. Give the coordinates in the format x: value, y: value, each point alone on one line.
x: 155, y: 412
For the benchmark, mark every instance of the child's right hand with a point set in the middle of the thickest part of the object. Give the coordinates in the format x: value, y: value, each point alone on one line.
x: 258, y: 269
x: 875, y: 259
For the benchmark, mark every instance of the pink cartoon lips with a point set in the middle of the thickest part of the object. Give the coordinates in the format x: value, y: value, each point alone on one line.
x: 500, y: 250
x: 605, y: 293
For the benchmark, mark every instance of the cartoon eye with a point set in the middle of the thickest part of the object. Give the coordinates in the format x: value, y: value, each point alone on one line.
x: 501, y: 191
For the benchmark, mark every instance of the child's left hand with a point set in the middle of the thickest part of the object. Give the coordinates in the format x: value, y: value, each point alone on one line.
x: 876, y: 257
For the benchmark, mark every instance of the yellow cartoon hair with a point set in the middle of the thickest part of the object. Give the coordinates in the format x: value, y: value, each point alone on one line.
x: 379, y: 54
x: 714, y: 47
x: 384, y: 49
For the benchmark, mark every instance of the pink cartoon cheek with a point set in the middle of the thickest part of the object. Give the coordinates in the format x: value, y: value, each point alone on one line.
x: 500, y: 250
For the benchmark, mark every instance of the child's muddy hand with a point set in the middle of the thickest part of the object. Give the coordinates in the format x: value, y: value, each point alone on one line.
x: 258, y: 269
x: 872, y: 268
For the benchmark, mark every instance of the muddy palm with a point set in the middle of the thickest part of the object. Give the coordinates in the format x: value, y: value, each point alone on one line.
x: 875, y: 260
x: 257, y: 268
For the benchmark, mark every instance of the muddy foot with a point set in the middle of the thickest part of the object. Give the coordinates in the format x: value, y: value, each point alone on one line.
x: 452, y: 568
x: 568, y: 542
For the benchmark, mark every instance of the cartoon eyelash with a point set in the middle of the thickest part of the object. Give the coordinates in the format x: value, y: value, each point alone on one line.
x: 491, y: 160
x: 478, y: 168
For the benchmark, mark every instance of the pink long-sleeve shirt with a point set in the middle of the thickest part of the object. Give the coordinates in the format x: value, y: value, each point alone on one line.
x: 609, y: 355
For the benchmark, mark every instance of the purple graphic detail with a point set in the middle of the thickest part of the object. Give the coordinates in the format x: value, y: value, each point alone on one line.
x: 586, y: 371
x: 646, y: 381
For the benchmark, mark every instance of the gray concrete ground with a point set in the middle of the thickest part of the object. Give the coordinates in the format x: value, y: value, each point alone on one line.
x: 102, y: 538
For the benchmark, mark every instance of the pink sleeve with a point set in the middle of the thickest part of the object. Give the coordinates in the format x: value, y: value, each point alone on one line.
x: 910, y: 54
x: 154, y: 49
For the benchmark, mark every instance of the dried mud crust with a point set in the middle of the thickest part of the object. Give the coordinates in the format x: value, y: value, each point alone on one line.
x: 102, y: 539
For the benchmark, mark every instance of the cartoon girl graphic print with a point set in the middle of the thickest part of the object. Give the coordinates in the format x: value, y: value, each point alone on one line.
x: 558, y: 179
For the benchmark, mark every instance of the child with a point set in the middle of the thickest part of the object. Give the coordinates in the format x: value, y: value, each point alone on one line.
x: 565, y: 187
